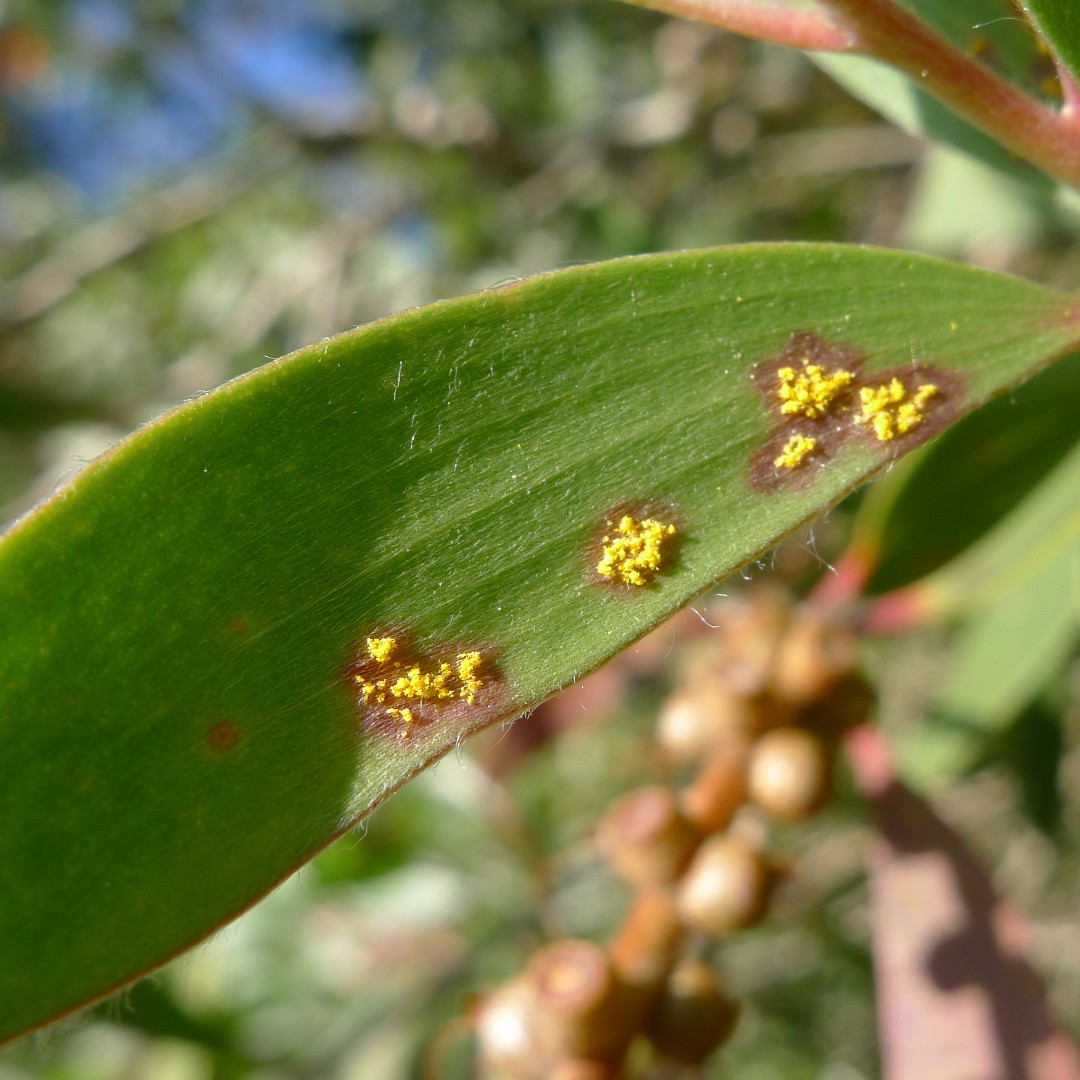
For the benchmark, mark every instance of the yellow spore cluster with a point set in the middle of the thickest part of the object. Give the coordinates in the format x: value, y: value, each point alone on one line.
x: 810, y: 390
x: 459, y: 681
x: 633, y: 552
x: 795, y: 451
x: 891, y: 409
x: 380, y: 649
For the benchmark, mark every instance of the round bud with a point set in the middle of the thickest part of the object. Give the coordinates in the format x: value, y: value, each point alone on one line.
x: 847, y: 704
x: 580, y: 1003
x: 725, y: 888
x: 789, y: 774
x: 694, y: 721
x: 695, y: 1015
x: 814, y: 654
x: 644, y: 837
x: 505, y: 1025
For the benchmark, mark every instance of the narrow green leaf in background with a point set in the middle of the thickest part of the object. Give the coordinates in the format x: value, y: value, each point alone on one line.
x: 947, y: 496
x: 179, y: 626
x: 1059, y: 23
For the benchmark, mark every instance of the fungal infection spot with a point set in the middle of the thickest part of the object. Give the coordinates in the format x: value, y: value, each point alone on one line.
x: 795, y: 452
x: 223, y: 736
x: 810, y: 389
x: 891, y: 409
x: 468, y: 670
x: 380, y: 649
x: 395, y: 683
x: 634, y: 550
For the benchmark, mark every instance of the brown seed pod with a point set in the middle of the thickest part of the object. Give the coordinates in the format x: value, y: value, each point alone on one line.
x: 695, y: 1015
x: 847, y: 704
x: 708, y: 714
x: 814, y: 654
x: 506, y: 1032
x: 740, y: 651
x: 789, y: 774
x: 645, y: 838
x: 725, y: 888
x: 581, y: 1004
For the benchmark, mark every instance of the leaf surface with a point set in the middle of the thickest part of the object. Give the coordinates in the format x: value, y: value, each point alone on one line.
x: 183, y: 626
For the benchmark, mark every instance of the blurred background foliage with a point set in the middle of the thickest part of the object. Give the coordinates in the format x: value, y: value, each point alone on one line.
x: 189, y: 188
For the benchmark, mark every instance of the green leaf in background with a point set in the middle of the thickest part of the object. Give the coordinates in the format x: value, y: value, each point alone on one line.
x: 946, y: 496
x: 1043, y: 529
x: 1002, y: 658
x: 1059, y: 23
x: 1012, y: 588
x: 184, y: 625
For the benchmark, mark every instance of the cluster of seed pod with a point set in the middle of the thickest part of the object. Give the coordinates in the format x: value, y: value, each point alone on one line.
x: 756, y: 718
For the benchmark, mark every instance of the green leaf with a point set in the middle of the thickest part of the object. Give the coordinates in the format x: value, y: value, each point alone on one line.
x: 1059, y: 23
x: 1043, y: 529
x: 1002, y: 659
x: 181, y: 626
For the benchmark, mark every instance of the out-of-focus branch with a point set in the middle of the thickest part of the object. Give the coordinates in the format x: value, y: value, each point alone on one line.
x: 105, y: 243
x: 764, y: 22
x: 1029, y: 128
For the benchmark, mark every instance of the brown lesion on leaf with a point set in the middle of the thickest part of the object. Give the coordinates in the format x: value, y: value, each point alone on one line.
x: 821, y: 395
x: 903, y: 406
x: 809, y: 379
x: 401, y: 689
x: 223, y: 737
x: 634, y: 542
x: 807, y: 449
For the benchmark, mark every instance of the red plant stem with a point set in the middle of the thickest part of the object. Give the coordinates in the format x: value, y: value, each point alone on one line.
x: 1031, y: 130
x: 779, y: 25
x: 1070, y: 91
x: 885, y: 31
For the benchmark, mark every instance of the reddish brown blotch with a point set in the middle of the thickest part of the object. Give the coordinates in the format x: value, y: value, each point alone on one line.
x: 401, y: 689
x: 223, y: 736
x: 821, y: 395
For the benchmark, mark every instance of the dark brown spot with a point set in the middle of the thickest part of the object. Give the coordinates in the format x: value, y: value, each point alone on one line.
x: 806, y: 345
x: 841, y: 418
x: 940, y: 411
x: 766, y: 475
x: 223, y: 736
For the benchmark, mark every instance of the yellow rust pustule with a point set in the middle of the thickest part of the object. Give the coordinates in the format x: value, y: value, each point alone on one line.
x: 795, y: 451
x: 810, y: 389
x: 891, y: 409
x: 395, y: 683
x: 632, y: 552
